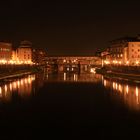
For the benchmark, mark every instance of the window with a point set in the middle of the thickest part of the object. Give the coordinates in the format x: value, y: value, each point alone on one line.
x: 132, y: 50
x: 138, y: 50
x: 132, y: 56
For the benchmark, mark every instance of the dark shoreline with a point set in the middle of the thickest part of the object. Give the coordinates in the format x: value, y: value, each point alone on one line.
x: 120, y: 75
x: 17, y: 74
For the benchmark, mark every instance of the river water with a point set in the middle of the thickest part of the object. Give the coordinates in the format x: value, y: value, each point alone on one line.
x: 69, y: 106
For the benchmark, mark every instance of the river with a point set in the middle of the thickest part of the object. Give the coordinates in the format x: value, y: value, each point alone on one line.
x: 69, y: 105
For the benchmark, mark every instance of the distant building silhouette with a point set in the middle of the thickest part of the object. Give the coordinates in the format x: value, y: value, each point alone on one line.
x: 5, y: 51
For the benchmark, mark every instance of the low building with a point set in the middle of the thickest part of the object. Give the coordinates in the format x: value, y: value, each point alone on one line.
x: 123, y: 51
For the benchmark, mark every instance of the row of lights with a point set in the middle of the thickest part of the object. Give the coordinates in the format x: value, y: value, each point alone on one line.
x: 73, y: 61
x: 3, y: 61
x: 118, y: 62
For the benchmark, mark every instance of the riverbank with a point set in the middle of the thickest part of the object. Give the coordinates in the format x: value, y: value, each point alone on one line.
x: 120, y: 75
x: 16, y: 74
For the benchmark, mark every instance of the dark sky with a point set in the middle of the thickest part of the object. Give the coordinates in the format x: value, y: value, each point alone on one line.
x: 68, y: 27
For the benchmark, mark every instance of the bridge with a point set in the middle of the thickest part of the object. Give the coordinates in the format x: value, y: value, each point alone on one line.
x: 73, y: 63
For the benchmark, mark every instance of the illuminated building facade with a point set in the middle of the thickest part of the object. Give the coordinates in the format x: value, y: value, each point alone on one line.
x: 124, y: 51
x: 5, y: 51
x: 24, y: 52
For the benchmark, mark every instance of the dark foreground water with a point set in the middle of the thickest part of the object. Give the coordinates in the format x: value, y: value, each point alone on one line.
x: 69, y: 106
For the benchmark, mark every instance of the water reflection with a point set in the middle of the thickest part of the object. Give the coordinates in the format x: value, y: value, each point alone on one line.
x: 128, y: 92
x: 73, y: 77
x: 23, y: 86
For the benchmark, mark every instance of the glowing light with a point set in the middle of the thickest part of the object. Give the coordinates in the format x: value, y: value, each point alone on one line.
x: 120, y: 88
x: 105, y: 83
x: 137, y: 95
x: 115, y: 61
x: 137, y: 92
x: 92, y: 70
x: 18, y: 83
x: 75, y: 77
x: 21, y: 82
x: 5, y: 87
x: 127, y: 62
x: 116, y: 85
x: 14, y: 85
x: 120, y: 62
x: 113, y: 85
x: 0, y: 90
x: 127, y: 89
x: 137, y: 62
x: 64, y: 76
x: 10, y: 87
x: 29, y: 80
x: 106, y: 62
x: 25, y: 80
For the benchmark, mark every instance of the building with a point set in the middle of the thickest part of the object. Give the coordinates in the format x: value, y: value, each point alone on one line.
x: 5, y: 52
x: 24, y: 52
x: 123, y: 51
x: 39, y: 56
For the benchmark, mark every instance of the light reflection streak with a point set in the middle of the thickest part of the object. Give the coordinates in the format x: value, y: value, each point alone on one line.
x: 75, y: 77
x: 116, y: 86
x: 137, y: 95
x: 104, y: 82
x: 64, y: 76
x: 120, y: 88
x: 23, y: 86
x: 11, y: 87
x: 0, y: 91
x: 129, y: 92
x: 127, y: 89
x: 5, y: 87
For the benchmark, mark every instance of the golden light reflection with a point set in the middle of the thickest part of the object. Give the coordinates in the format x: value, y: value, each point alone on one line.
x: 23, y: 86
x: 120, y: 88
x: 5, y: 87
x: 116, y: 86
x: 75, y: 77
x: 0, y: 91
x: 104, y: 82
x: 137, y: 95
x: 113, y: 85
x: 64, y: 76
x: 10, y: 87
x: 129, y: 92
x: 127, y: 89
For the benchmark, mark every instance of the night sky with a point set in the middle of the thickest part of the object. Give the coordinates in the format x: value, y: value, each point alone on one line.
x: 68, y: 27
